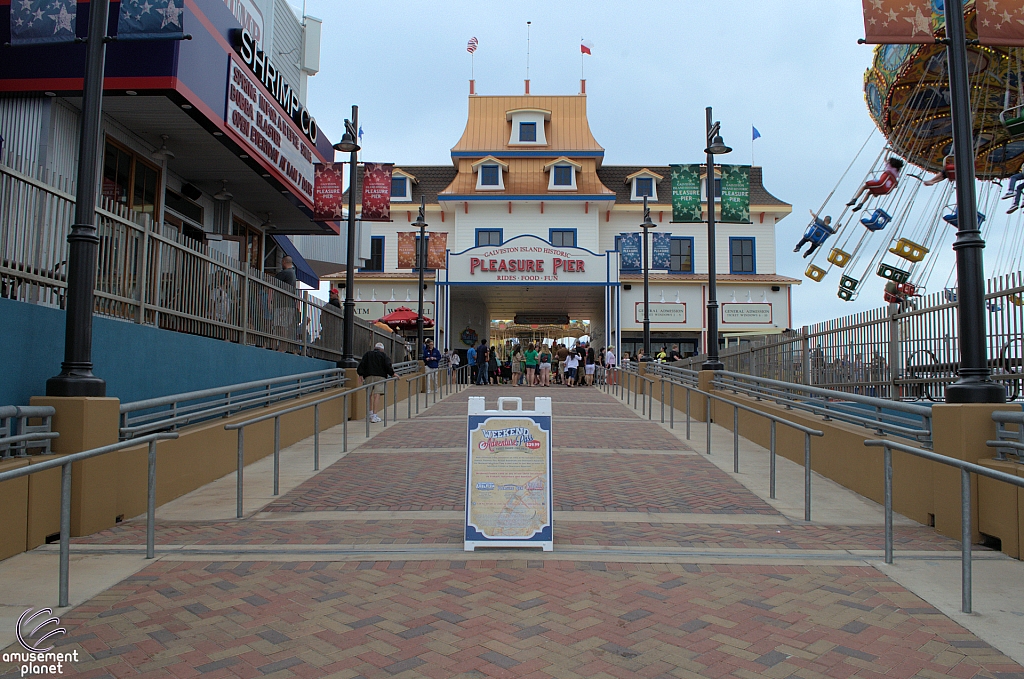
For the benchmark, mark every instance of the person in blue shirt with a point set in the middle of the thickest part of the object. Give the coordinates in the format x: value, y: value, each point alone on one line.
x: 431, y: 358
x: 817, y: 233
x: 471, y: 360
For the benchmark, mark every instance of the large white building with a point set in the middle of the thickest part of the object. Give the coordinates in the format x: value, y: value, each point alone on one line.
x: 533, y: 218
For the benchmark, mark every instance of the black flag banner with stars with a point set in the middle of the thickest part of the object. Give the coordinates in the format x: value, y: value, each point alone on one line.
x: 38, y: 22
x: 150, y: 19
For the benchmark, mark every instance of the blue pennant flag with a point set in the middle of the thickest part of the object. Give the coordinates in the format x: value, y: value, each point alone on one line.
x: 757, y: 135
x: 37, y: 22
x: 150, y: 19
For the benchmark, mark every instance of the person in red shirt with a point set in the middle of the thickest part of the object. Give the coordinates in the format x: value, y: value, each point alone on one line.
x: 885, y: 183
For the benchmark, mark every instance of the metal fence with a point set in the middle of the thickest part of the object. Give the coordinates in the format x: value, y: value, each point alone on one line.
x: 900, y: 352
x: 147, y: 273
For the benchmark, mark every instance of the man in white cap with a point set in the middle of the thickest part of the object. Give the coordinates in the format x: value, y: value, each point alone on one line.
x: 374, y: 368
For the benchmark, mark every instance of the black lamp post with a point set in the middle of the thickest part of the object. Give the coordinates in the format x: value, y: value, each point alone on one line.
x: 421, y: 263
x: 76, y: 378
x: 715, y: 147
x: 974, y: 385
x: 348, y: 145
x: 647, y: 224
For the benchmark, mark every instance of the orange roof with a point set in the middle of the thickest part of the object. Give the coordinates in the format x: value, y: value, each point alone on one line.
x: 488, y: 129
x: 527, y: 177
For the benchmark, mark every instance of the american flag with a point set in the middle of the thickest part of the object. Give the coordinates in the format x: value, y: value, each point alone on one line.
x: 472, y: 45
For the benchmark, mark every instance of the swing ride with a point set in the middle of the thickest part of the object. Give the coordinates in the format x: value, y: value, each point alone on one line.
x: 900, y: 215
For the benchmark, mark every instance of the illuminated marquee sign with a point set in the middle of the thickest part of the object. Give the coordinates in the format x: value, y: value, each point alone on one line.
x: 268, y: 134
x: 265, y: 71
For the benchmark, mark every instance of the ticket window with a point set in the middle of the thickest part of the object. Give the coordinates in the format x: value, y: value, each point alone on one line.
x: 250, y: 243
x: 129, y: 180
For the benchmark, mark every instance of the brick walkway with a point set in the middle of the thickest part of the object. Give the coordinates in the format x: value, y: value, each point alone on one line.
x: 233, y: 607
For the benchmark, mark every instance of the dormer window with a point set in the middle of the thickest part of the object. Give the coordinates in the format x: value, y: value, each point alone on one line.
x: 490, y: 174
x: 562, y: 174
x: 644, y: 183
x: 401, y: 186
x: 527, y: 126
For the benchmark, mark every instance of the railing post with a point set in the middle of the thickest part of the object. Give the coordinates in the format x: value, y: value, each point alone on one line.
x: 316, y: 437
x: 771, y: 462
x: 367, y: 392
x: 238, y: 480
x: 707, y: 412
x: 687, y: 414
x: 894, y: 362
x: 303, y: 320
x: 245, y: 305
x: 384, y: 408
x: 408, y: 399
x: 805, y: 346
x: 807, y: 477
x: 344, y: 423
x: 418, y: 394
x: 151, y: 502
x: 65, y: 534
x: 887, y: 455
x: 965, y: 540
x: 736, y: 439
x: 277, y: 452
x: 672, y: 405
x: 663, y: 399
x: 141, y: 276
x: 394, y: 399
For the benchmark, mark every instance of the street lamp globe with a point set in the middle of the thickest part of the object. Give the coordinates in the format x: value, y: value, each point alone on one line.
x: 718, y: 147
x: 347, y: 144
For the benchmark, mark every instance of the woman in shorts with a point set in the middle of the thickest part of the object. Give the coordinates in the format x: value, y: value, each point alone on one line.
x: 530, y: 358
x: 545, y: 367
x: 517, y: 366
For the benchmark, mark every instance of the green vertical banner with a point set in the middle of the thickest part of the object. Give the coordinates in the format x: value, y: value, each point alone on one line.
x: 735, y: 194
x: 686, y: 205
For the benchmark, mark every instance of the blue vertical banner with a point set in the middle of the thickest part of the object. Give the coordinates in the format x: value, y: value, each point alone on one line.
x: 146, y: 20
x: 629, y: 252
x: 39, y: 22
x: 661, y: 253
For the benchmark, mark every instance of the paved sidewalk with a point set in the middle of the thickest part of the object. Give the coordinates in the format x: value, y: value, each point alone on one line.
x: 666, y: 564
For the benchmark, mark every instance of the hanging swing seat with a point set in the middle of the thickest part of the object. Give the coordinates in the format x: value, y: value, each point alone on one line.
x: 949, y: 294
x: 892, y: 273
x: 847, y: 295
x: 1012, y: 119
x: 899, y: 292
x: 818, y: 232
x: 952, y: 218
x: 909, y: 250
x: 839, y: 257
x: 847, y: 283
x: 815, y: 273
x: 878, y: 220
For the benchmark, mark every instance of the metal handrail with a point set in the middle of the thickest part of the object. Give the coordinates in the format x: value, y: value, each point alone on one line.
x: 344, y: 395
x: 830, y: 405
x: 406, y: 367
x: 28, y: 435
x: 774, y: 419
x: 258, y: 393
x: 1010, y: 440
x: 65, y: 463
x: 966, y: 469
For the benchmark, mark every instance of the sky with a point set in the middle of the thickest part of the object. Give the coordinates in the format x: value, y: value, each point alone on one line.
x: 793, y: 69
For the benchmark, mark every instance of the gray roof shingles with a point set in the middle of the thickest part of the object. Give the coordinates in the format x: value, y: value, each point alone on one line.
x: 614, y: 177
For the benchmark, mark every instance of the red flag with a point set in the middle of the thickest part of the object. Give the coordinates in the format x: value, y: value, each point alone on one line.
x: 898, y: 21
x: 377, y: 192
x: 586, y: 46
x: 437, y: 243
x: 1000, y: 23
x: 327, y: 191
x: 407, y: 249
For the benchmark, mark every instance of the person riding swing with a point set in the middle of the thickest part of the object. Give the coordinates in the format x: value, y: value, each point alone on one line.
x: 817, y: 233
x: 888, y: 180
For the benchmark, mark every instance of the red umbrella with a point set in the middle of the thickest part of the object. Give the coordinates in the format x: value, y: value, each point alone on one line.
x: 404, y: 317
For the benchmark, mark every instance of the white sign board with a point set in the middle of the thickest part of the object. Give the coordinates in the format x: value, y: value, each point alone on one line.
x: 508, y: 475
x: 747, y: 313
x: 662, y: 312
x: 527, y: 259
x: 372, y: 311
